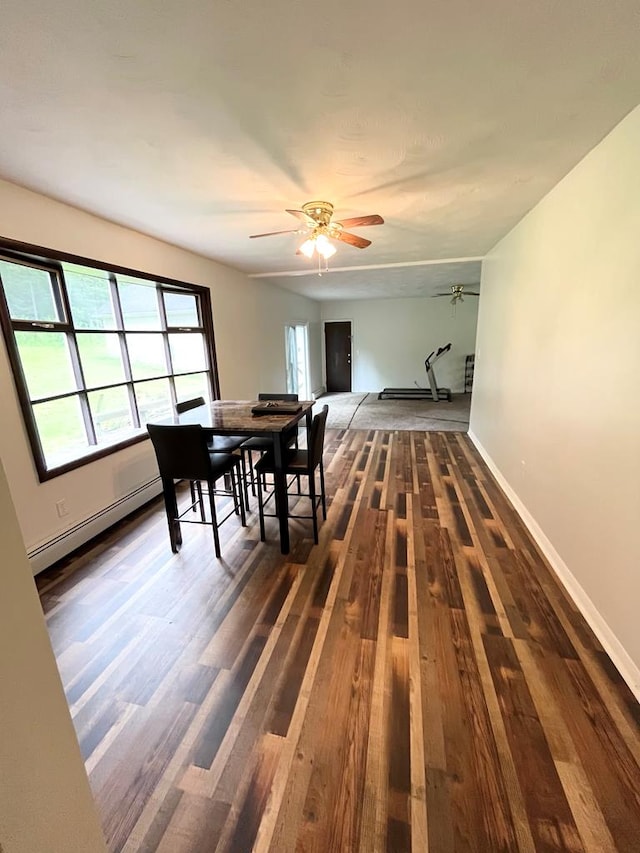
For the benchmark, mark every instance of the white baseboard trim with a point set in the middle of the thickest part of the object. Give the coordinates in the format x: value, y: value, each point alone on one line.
x: 318, y: 392
x: 614, y: 648
x: 44, y: 555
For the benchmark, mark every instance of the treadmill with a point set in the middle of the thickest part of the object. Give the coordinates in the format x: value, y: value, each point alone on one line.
x: 417, y: 393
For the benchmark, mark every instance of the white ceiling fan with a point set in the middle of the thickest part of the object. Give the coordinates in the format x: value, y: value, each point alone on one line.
x: 456, y: 294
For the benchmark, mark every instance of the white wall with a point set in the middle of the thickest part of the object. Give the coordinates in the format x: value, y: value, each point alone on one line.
x: 556, y: 402
x: 45, y: 800
x: 392, y: 338
x: 249, y: 320
x: 274, y: 308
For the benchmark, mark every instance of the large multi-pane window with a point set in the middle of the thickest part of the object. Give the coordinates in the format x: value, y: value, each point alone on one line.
x: 98, y: 354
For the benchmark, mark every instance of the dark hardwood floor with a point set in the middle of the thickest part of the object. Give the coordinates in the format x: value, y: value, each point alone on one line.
x: 418, y: 681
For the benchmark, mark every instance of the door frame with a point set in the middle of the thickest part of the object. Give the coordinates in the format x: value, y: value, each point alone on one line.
x: 324, y: 346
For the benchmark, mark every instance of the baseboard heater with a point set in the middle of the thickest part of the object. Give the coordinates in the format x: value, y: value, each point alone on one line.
x: 54, y: 549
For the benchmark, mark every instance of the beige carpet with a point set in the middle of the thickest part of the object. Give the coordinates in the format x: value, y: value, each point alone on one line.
x: 365, y: 411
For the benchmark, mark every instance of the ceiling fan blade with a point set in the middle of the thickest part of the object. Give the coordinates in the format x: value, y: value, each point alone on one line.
x: 471, y: 293
x: 272, y: 233
x: 352, y: 239
x: 360, y: 221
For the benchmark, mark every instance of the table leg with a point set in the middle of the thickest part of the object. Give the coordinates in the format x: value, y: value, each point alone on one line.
x: 280, y: 489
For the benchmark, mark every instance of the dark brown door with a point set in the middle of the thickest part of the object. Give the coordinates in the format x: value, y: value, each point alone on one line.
x: 337, y: 337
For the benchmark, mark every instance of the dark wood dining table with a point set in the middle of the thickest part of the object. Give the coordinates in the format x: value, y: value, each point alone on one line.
x: 234, y: 417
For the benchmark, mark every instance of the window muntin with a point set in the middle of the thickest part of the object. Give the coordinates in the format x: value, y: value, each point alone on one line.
x: 92, y: 355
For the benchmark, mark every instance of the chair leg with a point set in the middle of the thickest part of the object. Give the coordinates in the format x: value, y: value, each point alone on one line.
x: 193, y: 495
x: 243, y: 506
x: 252, y: 474
x: 261, y: 508
x: 314, y: 511
x: 323, y: 493
x: 299, y: 486
x: 238, y: 494
x: 243, y: 466
x: 200, y: 501
x: 234, y: 491
x: 171, y: 509
x: 214, y: 518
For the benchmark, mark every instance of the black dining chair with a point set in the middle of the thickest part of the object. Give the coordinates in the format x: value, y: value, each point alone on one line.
x: 301, y: 463
x: 219, y: 443
x: 262, y: 444
x: 182, y: 454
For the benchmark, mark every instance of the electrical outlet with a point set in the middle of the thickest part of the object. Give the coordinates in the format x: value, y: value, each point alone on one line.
x: 61, y: 508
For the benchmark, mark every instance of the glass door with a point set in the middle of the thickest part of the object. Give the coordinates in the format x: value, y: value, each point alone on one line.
x: 297, y: 360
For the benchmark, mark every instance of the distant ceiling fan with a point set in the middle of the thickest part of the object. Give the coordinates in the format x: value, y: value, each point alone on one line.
x: 457, y: 291
x: 317, y: 225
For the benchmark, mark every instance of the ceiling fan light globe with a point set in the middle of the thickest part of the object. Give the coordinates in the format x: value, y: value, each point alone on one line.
x: 324, y: 247
x: 328, y: 252
x: 308, y: 248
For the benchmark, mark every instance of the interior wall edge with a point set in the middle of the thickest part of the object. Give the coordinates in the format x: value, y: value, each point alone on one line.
x: 46, y: 803
x: 627, y: 668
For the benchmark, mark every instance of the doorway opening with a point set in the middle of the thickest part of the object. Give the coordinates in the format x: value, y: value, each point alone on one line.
x: 296, y: 343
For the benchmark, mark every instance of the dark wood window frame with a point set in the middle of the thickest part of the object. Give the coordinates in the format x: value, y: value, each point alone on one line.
x: 51, y: 261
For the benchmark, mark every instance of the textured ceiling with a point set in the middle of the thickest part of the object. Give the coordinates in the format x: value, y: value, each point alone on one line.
x: 199, y: 122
